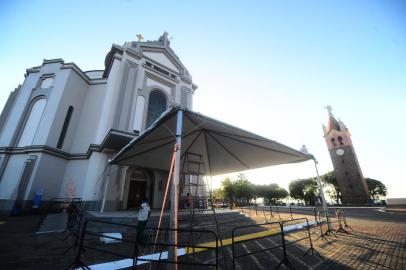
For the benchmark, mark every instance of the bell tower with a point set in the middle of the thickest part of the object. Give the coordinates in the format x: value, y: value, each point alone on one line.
x: 348, y: 173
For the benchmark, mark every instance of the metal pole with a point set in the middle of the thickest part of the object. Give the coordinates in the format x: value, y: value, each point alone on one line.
x: 173, y: 217
x: 323, y: 198
x: 105, y: 187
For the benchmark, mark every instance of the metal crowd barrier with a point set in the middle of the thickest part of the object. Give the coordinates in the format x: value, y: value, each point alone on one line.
x: 134, y: 249
x: 234, y: 242
x: 341, y: 221
x: 73, y: 227
x: 311, y: 248
x: 190, y: 248
x: 281, y: 233
x: 326, y: 220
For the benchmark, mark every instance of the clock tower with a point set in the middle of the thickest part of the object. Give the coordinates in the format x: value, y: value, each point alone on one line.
x: 347, y: 171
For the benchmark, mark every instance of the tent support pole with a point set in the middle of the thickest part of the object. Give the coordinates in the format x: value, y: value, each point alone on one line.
x: 173, y: 218
x: 323, y: 198
x: 105, y: 188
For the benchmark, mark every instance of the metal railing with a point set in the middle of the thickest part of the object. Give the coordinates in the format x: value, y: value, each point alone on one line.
x: 234, y: 241
x: 307, y: 226
x: 282, y: 231
x: 133, y: 249
x: 190, y: 248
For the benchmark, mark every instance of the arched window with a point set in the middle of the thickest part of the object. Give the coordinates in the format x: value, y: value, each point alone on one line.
x: 65, y: 127
x: 32, y: 123
x: 156, y: 106
x: 47, y: 82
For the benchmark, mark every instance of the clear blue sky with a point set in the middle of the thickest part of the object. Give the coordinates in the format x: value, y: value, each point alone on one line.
x: 265, y: 66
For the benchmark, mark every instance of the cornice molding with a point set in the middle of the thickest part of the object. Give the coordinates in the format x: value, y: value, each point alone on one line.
x: 133, y: 53
x: 156, y: 73
x: 155, y: 77
x: 70, y: 65
x: 82, y: 74
x: 62, y: 154
x: 51, y: 151
x: 162, y: 49
x: 115, y: 52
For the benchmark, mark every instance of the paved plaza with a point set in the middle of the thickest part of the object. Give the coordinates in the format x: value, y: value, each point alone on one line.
x: 376, y: 239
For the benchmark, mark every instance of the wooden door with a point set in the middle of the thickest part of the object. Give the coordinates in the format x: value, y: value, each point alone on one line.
x: 136, y: 193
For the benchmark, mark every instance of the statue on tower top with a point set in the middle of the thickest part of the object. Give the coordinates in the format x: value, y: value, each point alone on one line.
x: 329, y: 109
x: 164, y: 39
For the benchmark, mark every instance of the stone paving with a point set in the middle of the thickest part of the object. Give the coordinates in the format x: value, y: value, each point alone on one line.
x: 370, y: 244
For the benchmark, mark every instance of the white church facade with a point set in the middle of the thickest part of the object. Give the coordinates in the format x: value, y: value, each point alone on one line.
x: 59, y: 128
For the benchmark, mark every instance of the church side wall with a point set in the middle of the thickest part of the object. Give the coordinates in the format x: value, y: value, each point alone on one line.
x: 108, y: 107
x: 19, y: 106
x: 10, y: 180
x: 73, y: 94
x: 53, y: 96
x: 74, y: 178
x: 85, y: 133
x: 47, y: 177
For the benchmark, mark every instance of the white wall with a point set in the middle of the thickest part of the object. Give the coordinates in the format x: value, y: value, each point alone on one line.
x: 11, y: 177
x: 139, y: 113
x: 45, y: 128
x: 88, y: 121
x: 32, y: 123
x: 48, y: 176
x: 162, y: 59
x: 152, y: 83
x: 109, y: 104
x: 74, y: 178
x: 17, y: 110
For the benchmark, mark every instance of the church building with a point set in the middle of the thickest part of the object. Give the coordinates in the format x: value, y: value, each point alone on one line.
x: 61, y: 126
x: 347, y: 170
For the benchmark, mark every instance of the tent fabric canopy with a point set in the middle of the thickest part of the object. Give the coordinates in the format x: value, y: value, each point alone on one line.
x: 224, y: 148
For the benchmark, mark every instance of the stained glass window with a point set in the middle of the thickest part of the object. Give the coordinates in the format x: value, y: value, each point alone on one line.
x: 156, y: 106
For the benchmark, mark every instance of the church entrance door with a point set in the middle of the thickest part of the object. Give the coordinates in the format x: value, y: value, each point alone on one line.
x: 136, y: 193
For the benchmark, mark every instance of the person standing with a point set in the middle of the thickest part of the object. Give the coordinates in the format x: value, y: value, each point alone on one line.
x: 143, y: 215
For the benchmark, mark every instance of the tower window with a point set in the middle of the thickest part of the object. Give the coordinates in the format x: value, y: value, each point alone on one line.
x: 340, y: 140
x: 346, y: 173
x: 333, y: 141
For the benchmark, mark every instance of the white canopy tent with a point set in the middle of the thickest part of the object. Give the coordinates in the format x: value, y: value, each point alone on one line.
x: 223, y: 148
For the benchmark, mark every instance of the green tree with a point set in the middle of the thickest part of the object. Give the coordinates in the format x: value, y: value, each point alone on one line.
x: 304, y: 189
x: 244, y: 190
x: 376, y: 188
x: 331, y: 180
x: 219, y: 194
x: 228, y: 189
x: 273, y: 193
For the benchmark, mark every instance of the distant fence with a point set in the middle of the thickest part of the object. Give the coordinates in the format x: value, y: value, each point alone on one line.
x: 328, y: 221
